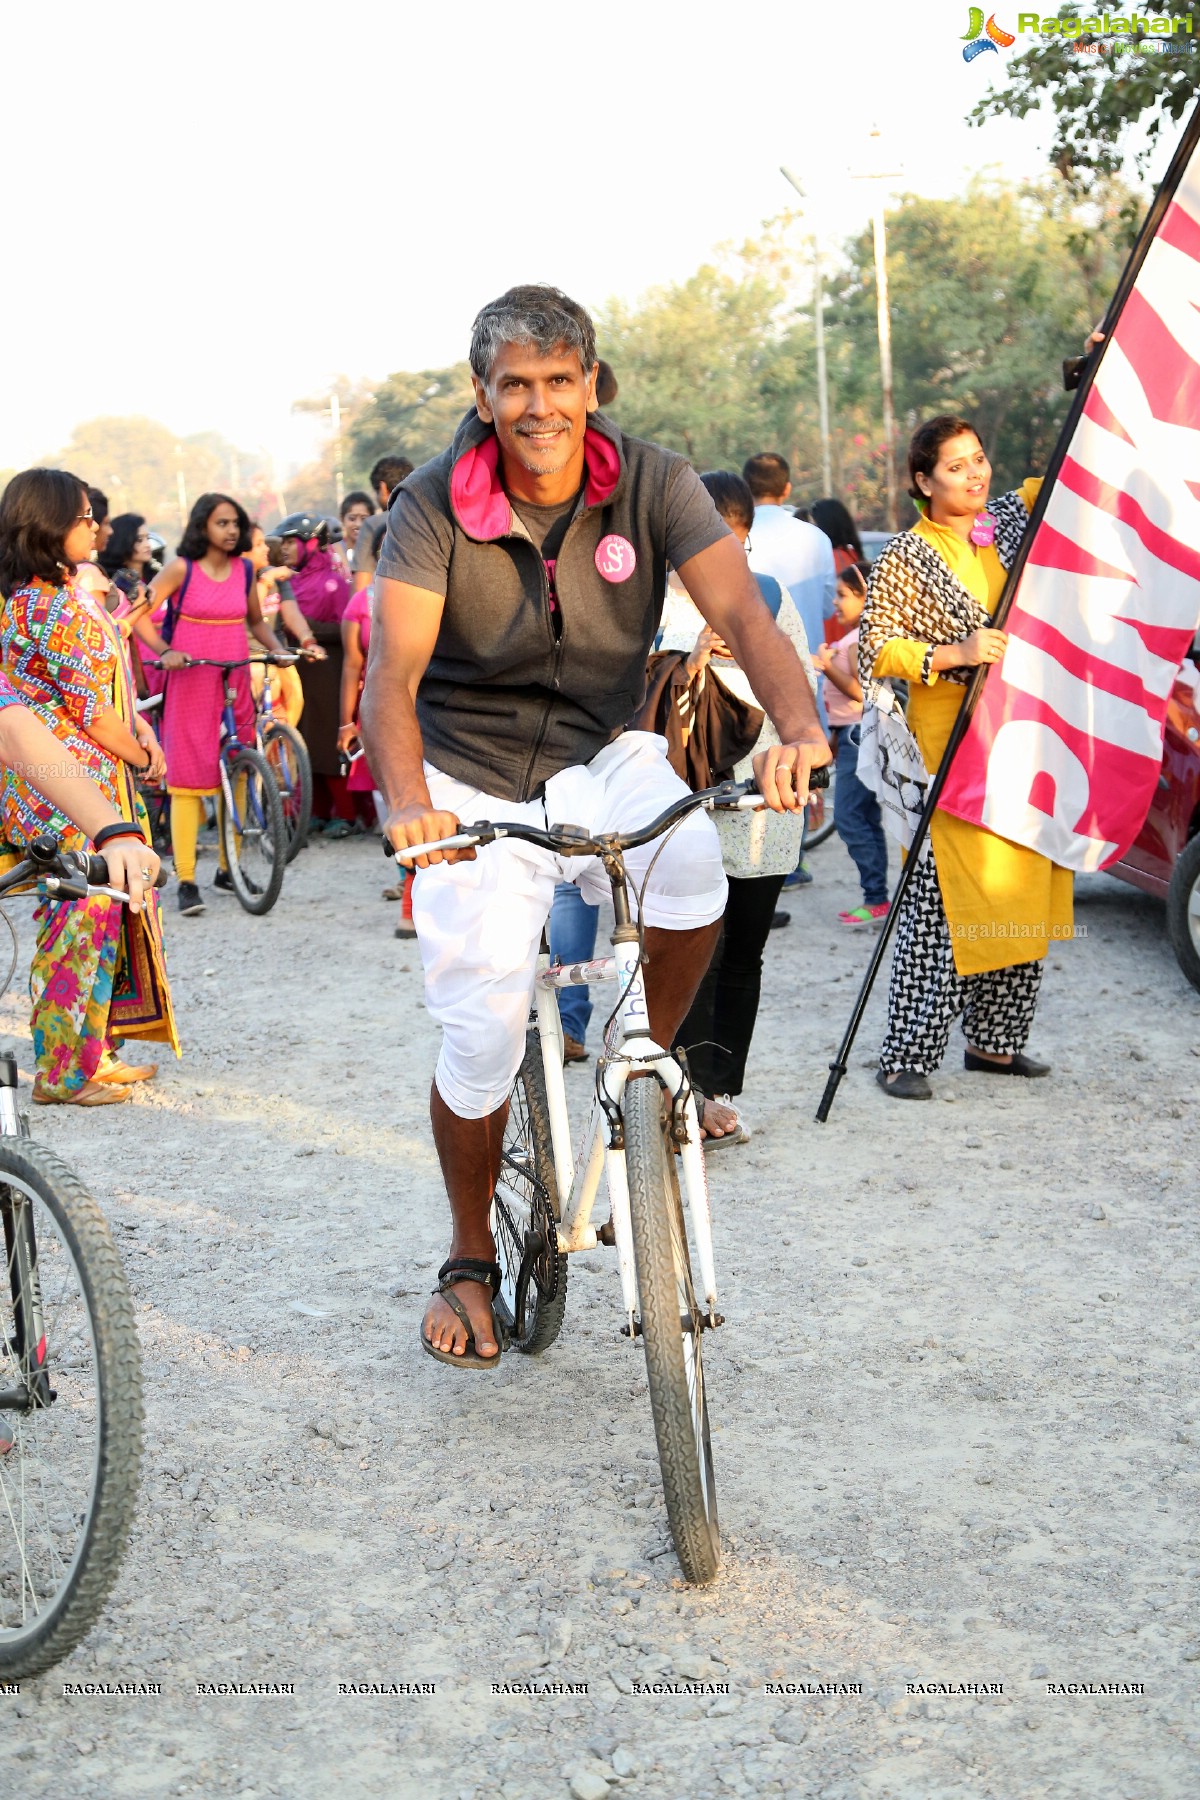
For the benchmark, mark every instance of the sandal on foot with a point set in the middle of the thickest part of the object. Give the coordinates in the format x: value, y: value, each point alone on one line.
x: 92, y: 1093
x: 1020, y: 1065
x: 487, y: 1274
x: 121, y: 1073
x: 739, y: 1134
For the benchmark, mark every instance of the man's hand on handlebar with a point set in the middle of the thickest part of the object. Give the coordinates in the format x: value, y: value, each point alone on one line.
x: 408, y: 826
x: 783, y: 771
x: 133, y: 867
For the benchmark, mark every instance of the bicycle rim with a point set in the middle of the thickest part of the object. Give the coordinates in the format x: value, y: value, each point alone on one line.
x: 672, y: 1333
x: 525, y: 1212
x: 825, y: 827
x: 287, y: 757
x: 252, y: 830
x: 69, y: 1462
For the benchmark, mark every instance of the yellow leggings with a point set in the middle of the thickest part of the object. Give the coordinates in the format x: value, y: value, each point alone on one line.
x: 187, y: 816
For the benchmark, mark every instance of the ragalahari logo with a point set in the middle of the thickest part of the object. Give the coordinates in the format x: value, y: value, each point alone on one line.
x: 975, y: 40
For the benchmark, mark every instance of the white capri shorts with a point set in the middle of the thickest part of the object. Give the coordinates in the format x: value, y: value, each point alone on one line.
x: 479, y: 924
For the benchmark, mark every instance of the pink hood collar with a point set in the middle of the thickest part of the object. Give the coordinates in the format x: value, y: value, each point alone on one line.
x: 480, y: 504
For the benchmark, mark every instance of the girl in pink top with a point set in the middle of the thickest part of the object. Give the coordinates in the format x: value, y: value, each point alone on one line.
x: 211, y: 597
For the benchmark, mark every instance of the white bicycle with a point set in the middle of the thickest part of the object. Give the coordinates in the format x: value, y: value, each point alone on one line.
x: 643, y: 1134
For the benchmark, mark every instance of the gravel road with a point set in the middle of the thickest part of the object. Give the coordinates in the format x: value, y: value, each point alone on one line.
x: 956, y: 1424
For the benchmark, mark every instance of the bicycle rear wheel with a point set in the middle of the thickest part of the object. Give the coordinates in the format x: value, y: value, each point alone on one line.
x: 253, y: 833
x: 70, y: 1411
x: 525, y: 1214
x: 287, y: 754
x: 671, y: 1332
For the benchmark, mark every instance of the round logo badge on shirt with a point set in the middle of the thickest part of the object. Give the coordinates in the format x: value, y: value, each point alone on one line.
x: 616, y: 558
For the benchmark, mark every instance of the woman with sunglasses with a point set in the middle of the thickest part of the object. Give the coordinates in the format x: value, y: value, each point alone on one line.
x: 98, y: 973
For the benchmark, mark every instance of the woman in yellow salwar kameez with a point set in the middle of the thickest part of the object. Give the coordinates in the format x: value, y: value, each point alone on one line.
x: 980, y: 911
x: 98, y: 974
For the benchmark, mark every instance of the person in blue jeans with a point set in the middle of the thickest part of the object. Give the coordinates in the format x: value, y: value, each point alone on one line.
x: 573, y: 939
x: 856, y: 812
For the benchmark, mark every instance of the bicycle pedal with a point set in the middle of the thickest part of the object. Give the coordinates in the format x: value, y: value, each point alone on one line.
x: 607, y: 1234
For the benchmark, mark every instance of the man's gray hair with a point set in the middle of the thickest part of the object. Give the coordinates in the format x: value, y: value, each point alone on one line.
x: 542, y: 318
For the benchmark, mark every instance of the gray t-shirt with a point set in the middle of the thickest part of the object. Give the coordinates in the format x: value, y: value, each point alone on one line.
x: 419, y: 542
x: 547, y: 526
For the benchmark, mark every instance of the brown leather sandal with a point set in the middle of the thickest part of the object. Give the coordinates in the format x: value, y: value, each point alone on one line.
x: 92, y: 1093
x: 121, y: 1074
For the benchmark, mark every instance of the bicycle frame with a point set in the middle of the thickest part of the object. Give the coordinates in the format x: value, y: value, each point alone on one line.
x: 628, y: 1048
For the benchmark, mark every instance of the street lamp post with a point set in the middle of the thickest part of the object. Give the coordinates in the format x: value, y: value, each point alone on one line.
x: 883, y: 321
x: 335, y: 419
x: 819, y: 336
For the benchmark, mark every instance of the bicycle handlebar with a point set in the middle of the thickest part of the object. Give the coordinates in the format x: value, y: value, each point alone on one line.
x: 572, y: 840
x: 68, y: 874
x: 282, y: 659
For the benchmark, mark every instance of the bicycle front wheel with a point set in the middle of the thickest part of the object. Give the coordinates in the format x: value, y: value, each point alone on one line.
x: 672, y: 1332
x: 821, y: 824
x: 70, y: 1411
x: 287, y: 754
x: 525, y: 1214
x: 253, y: 833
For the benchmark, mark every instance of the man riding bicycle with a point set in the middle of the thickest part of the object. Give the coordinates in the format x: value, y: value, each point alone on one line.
x: 518, y: 592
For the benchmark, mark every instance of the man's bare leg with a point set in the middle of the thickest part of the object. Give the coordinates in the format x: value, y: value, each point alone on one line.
x: 677, y: 962
x: 469, y: 1151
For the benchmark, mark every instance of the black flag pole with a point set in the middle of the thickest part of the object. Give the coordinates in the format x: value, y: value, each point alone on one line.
x: 1086, y: 370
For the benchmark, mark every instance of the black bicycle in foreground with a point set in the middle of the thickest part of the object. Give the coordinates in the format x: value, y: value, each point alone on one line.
x: 70, y: 1366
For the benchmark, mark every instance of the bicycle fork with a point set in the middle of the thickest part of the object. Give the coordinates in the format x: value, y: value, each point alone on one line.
x: 628, y: 1048
x: 20, y: 1252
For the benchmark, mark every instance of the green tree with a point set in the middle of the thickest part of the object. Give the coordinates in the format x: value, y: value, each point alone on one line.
x: 415, y: 413
x: 139, y: 462
x: 988, y: 294
x: 722, y: 364
x: 1100, y: 98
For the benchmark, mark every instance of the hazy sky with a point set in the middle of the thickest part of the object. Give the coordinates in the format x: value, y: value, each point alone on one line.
x: 217, y: 211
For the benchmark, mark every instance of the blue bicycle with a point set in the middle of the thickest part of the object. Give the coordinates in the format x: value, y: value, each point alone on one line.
x: 288, y: 760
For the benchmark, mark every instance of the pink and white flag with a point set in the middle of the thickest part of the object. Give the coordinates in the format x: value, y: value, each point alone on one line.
x: 1064, y: 748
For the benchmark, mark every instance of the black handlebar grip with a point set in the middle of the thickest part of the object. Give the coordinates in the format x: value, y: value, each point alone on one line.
x: 97, y: 869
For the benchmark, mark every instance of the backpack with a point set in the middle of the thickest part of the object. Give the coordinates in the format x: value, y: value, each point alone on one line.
x: 176, y: 601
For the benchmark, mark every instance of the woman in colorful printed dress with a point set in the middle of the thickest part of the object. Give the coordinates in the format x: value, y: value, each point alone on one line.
x: 211, y: 597
x: 98, y: 971
x: 976, y: 899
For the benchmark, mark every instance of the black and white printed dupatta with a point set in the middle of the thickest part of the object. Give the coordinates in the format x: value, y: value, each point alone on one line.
x: 913, y: 593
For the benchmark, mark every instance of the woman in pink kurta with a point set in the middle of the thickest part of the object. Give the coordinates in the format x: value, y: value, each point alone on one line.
x: 356, y: 639
x: 211, y: 597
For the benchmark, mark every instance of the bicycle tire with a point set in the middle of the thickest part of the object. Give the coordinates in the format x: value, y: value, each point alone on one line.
x: 674, y: 1355
x: 526, y: 1201
x: 828, y: 825
x: 83, y: 1234
x: 262, y: 794
x: 296, y: 797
